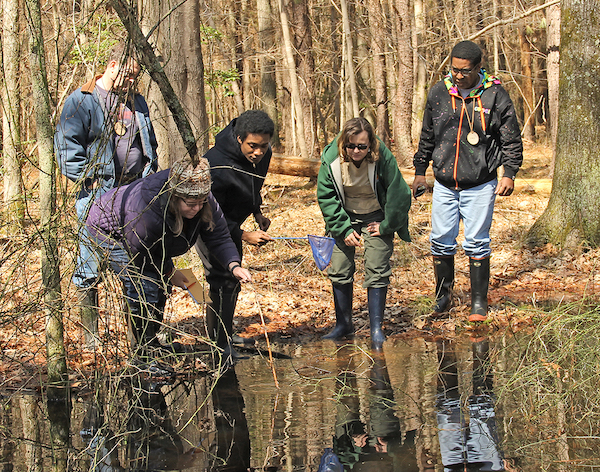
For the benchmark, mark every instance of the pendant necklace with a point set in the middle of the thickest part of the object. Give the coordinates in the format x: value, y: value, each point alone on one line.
x: 472, y: 136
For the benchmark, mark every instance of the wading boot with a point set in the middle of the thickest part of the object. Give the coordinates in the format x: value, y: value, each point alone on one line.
x: 480, y: 278
x: 342, y: 300
x: 376, y: 302
x: 219, y: 323
x: 88, y: 303
x: 443, y: 267
x: 145, y: 321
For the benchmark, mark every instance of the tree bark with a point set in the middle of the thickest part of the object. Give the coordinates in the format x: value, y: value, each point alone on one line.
x: 268, y: 80
x: 350, y: 74
x: 552, y: 72
x: 527, y: 86
x: 420, y: 75
x: 291, y: 67
x: 378, y: 29
x: 404, y: 83
x: 305, y: 65
x: 573, y: 213
x: 50, y: 258
x: 148, y: 59
x: 11, y: 127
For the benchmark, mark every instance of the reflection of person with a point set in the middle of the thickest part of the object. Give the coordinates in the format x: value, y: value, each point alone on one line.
x: 140, y: 227
x: 239, y: 162
x: 364, y: 200
x: 379, y: 443
x: 231, y: 449
x: 471, y: 442
x: 104, y: 139
x: 470, y: 129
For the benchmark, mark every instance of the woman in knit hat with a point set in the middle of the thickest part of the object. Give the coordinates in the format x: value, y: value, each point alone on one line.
x: 140, y: 227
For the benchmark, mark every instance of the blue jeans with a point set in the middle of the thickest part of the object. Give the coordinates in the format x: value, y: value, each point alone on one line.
x: 475, y: 206
x: 87, y: 263
x: 145, y: 291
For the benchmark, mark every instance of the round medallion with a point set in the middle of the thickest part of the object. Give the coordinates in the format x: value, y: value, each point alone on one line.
x: 121, y: 129
x: 472, y: 138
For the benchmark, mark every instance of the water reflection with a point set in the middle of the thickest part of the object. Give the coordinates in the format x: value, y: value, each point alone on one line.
x: 157, y: 435
x: 379, y: 443
x: 419, y: 405
x: 467, y: 434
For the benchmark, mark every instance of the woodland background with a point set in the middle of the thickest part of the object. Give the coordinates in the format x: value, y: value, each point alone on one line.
x: 311, y: 65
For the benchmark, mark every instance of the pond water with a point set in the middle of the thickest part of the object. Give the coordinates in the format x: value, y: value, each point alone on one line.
x: 419, y: 405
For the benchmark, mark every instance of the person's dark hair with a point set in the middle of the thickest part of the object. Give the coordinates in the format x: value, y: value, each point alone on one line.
x: 253, y: 122
x: 467, y: 50
x: 352, y: 127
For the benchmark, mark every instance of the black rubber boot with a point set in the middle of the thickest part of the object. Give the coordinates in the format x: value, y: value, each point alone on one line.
x: 88, y: 302
x: 480, y: 279
x: 376, y: 301
x: 342, y: 300
x: 443, y: 267
x: 219, y: 322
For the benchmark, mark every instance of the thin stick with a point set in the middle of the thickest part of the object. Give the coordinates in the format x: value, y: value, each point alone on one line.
x: 262, y: 321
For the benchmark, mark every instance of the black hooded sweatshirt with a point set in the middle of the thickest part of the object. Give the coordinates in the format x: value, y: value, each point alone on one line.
x: 236, y: 182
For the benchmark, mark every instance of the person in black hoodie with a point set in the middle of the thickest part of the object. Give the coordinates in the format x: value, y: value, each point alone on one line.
x: 239, y: 162
x: 470, y: 128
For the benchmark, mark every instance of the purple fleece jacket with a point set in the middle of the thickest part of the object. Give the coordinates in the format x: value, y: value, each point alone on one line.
x: 137, y: 216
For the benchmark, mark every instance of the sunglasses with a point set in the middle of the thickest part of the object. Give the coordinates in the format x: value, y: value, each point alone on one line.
x: 360, y: 147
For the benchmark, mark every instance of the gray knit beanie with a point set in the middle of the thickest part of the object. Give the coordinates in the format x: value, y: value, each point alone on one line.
x: 188, y: 181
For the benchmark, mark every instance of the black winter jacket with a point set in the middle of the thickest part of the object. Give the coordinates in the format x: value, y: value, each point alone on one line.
x: 236, y: 182
x: 458, y: 164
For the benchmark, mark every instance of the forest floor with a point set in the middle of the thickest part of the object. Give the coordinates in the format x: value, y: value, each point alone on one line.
x: 292, y: 299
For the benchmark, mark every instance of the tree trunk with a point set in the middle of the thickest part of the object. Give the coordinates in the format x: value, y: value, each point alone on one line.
x: 148, y: 59
x: 552, y: 72
x: 573, y: 213
x: 291, y: 67
x: 11, y: 128
x: 50, y: 258
x: 527, y: 86
x: 268, y: 80
x: 305, y: 64
x: 404, y: 83
x: 350, y: 75
x: 420, y: 75
x: 378, y: 30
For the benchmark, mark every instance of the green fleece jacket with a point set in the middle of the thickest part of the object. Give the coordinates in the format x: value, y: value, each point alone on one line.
x: 392, y: 192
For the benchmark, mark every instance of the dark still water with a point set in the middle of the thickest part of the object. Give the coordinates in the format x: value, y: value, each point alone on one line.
x: 420, y: 405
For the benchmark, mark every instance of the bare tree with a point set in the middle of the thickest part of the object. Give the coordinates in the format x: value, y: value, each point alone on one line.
x: 55, y: 346
x: 573, y: 213
x: 404, y: 82
x: 11, y: 127
x: 291, y: 67
x: 268, y: 81
x: 349, y: 65
x: 552, y: 72
x: 378, y: 28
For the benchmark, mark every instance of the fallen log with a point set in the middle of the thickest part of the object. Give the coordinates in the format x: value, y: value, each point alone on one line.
x: 296, y: 166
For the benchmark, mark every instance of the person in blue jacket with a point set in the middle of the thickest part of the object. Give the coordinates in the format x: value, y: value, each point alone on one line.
x: 140, y: 227
x: 104, y: 138
x: 365, y: 201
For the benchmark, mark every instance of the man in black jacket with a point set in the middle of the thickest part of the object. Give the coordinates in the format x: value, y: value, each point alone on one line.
x: 239, y: 162
x: 470, y: 129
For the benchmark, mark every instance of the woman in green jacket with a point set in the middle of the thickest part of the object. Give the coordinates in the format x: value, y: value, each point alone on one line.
x: 364, y: 200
